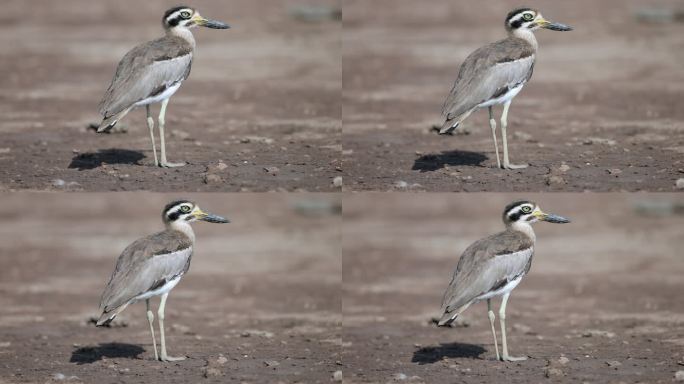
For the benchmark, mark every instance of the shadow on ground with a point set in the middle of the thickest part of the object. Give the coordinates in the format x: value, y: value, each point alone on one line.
x: 435, y: 353
x: 433, y: 162
x: 90, y: 354
x: 92, y: 160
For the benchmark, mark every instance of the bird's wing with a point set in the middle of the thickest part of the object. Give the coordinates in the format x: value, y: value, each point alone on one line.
x: 488, y: 73
x: 146, y: 265
x: 145, y: 71
x: 486, y: 266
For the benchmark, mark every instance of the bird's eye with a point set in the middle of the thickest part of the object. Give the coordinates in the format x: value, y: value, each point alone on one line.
x: 528, y: 16
x: 185, y: 208
x: 185, y: 14
x: 526, y: 209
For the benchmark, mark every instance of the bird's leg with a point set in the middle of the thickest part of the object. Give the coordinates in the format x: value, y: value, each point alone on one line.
x: 491, y: 321
x: 150, y: 319
x: 150, y: 125
x: 504, y: 124
x: 160, y: 314
x: 502, y: 319
x: 162, y: 113
x: 492, y: 124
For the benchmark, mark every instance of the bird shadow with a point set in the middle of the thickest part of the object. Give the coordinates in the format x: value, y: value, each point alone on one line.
x: 434, y: 161
x: 91, y: 354
x: 434, y: 353
x: 90, y: 160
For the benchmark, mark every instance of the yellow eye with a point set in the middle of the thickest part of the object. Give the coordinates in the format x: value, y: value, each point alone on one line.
x: 526, y: 209
x: 185, y: 14
x: 528, y: 16
x: 185, y: 209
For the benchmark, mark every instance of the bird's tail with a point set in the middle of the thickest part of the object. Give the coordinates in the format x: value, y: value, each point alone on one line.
x: 108, y: 316
x: 110, y: 121
x: 449, y: 316
x: 453, y: 122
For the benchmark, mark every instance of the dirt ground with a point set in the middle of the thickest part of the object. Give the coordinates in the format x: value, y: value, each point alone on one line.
x: 261, y: 302
x: 605, y: 99
x: 263, y: 98
x: 603, y: 291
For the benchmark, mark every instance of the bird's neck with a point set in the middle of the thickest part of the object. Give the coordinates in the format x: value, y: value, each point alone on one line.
x: 526, y: 35
x: 525, y: 228
x: 183, y: 227
x: 183, y: 33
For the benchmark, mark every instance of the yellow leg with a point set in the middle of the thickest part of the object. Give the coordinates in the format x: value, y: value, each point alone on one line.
x: 504, y: 125
x: 150, y: 319
x: 504, y: 344
x: 491, y: 322
x: 492, y: 124
x: 162, y: 114
x: 160, y: 314
x: 150, y: 125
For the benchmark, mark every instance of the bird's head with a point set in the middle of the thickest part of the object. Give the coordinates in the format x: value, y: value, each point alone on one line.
x: 528, y: 212
x: 188, y: 17
x: 528, y: 19
x: 185, y: 211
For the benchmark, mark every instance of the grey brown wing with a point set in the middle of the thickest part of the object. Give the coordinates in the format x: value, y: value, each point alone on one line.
x: 484, y: 265
x: 143, y: 266
x: 476, y: 87
x: 496, y: 272
x: 137, y: 79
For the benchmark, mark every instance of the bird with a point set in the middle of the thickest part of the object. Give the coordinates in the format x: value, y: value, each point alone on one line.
x: 152, y: 266
x: 152, y: 72
x: 495, y: 73
x: 494, y: 266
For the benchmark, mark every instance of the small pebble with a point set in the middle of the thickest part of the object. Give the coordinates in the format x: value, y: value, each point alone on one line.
x: 679, y: 376
x: 680, y: 183
x: 272, y: 170
x: 337, y: 181
x: 551, y: 372
x: 337, y: 376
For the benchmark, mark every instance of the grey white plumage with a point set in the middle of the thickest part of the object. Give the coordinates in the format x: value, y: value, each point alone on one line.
x: 495, y: 74
x: 152, y: 72
x: 494, y: 266
x: 153, y: 265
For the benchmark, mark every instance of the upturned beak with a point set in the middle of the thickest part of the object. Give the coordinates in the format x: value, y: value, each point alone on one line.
x: 215, y: 24
x: 551, y: 218
x: 208, y: 217
x: 553, y: 26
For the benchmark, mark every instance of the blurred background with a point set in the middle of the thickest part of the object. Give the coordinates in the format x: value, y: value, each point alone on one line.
x: 261, y: 300
x: 263, y: 94
x: 604, y: 100
x: 604, y: 291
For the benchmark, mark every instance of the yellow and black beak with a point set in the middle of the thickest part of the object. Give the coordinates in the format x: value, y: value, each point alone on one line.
x: 208, y: 217
x: 215, y: 24
x: 553, y: 26
x: 551, y: 218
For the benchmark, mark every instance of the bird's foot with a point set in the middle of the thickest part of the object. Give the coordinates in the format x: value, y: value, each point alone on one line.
x: 166, y: 164
x: 511, y: 358
x: 171, y: 359
x: 514, y: 166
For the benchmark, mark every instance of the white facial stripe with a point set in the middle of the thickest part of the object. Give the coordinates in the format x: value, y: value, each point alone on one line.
x: 177, y: 14
x: 519, y: 210
x: 178, y: 209
x: 521, y: 16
